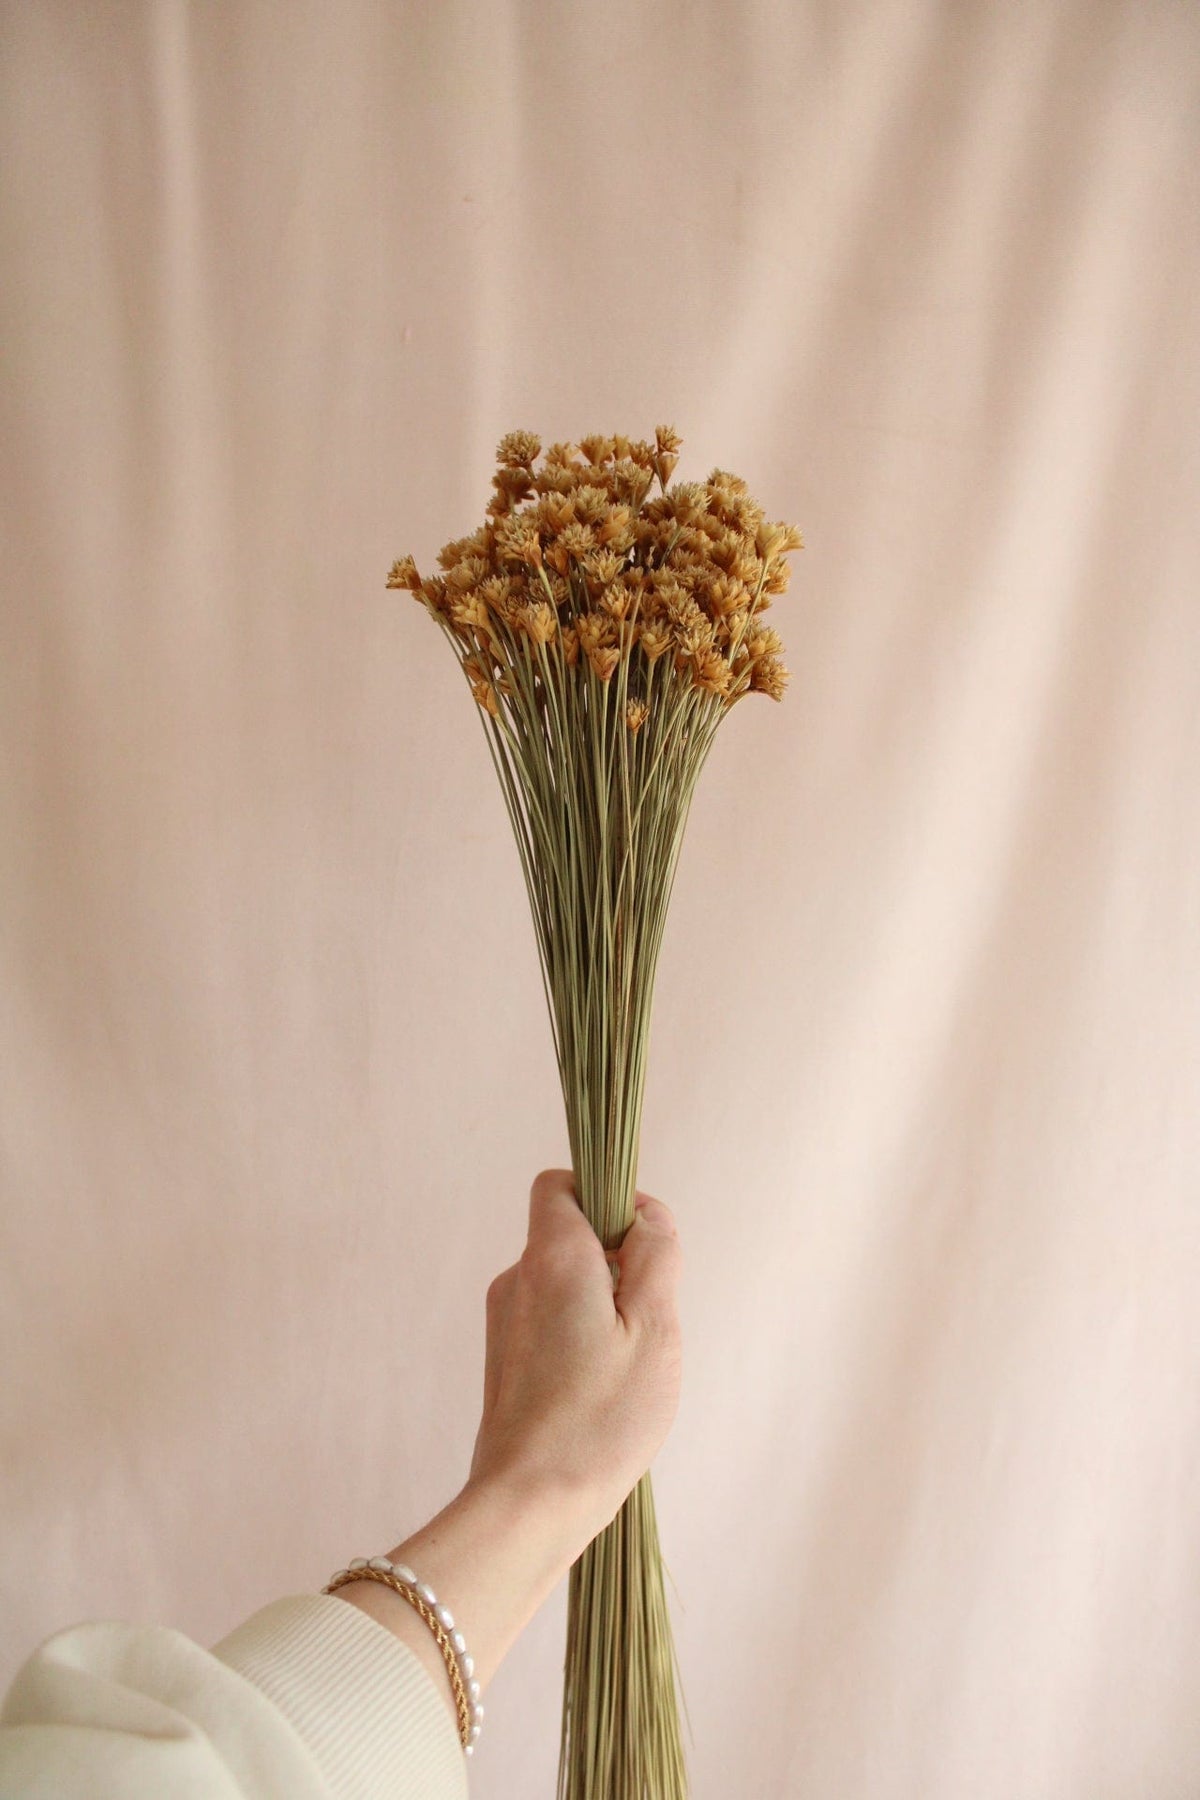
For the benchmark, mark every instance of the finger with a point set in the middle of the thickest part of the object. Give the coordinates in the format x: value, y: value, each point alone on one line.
x: 555, y: 1215
x: 499, y: 1306
x: 551, y: 1196
x: 651, y: 1261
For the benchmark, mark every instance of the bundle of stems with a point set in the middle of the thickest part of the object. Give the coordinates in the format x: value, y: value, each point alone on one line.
x: 605, y: 633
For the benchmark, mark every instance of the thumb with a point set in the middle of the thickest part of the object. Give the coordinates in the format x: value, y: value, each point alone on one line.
x: 650, y: 1261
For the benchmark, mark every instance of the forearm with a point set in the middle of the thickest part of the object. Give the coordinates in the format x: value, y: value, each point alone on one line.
x: 493, y: 1556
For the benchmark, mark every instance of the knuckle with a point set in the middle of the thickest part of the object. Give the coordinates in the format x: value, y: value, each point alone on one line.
x: 552, y: 1260
x: 498, y: 1288
x: 550, y: 1181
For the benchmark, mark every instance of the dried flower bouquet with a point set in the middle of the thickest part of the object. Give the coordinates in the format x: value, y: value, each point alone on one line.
x: 605, y: 632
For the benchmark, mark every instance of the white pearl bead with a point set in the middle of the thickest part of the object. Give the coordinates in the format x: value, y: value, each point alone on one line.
x: 380, y: 1562
x: 459, y: 1641
x: 474, y: 1689
x: 468, y: 1666
x: 477, y: 1713
x: 405, y: 1573
x: 359, y: 1562
x: 468, y: 1749
x: 476, y: 1731
x: 337, y: 1575
x: 427, y: 1594
x: 445, y: 1616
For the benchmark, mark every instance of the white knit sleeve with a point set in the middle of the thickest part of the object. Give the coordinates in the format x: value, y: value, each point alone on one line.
x: 308, y: 1699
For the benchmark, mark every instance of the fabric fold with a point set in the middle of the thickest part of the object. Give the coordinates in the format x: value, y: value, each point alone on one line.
x: 307, y: 1699
x: 365, y: 1706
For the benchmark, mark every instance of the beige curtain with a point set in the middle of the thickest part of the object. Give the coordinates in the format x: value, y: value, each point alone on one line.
x: 924, y: 1082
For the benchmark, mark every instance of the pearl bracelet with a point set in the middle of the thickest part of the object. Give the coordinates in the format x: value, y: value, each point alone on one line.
x: 440, y: 1619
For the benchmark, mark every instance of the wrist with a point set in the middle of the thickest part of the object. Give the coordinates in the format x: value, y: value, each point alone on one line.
x: 493, y: 1556
x: 561, y: 1519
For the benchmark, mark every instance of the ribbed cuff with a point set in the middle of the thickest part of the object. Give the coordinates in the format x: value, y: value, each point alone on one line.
x: 363, y: 1702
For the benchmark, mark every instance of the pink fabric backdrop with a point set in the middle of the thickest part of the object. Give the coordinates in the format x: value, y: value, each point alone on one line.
x: 923, y: 1092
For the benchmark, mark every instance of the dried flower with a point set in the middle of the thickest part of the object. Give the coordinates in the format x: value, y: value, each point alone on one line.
x: 596, y: 449
x: 560, y: 453
x: 469, y: 609
x: 578, y: 540
x: 596, y: 630
x: 403, y: 574
x: 485, y: 693
x: 518, y: 450
x: 764, y: 642
x: 540, y: 621
x: 655, y: 641
x: 712, y: 672
x: 768, y: 676
x: 642, y: 609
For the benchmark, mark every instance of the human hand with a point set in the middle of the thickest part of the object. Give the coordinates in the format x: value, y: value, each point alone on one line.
x: 581, y: 1382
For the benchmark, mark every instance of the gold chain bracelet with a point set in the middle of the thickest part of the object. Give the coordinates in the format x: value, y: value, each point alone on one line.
x: 466, y: 1694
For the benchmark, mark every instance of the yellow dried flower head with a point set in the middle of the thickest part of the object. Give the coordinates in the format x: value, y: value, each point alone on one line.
x: 764, y: 642
x: 724, y: 594
x: 508, y: 533
x: 485, y: 693
x: 577, y: 540
x: 555, y: 478
x: 604, y: 662
x: 596, y: 449
x: 403, y: 574
x: 731, y: 627
x: 511, y: 485
x: 556, y: 511
x: 569, y: 638
x: 468, y: 549
x: 693, y: 639
x: 467, y: 574
x: 667, y: 439
x: 540, y: 622
x: 590, y: 502
x: 631, y: 482
x: 681, y: 607
x: 616, y: 528
x: 529, y: 549
x: 469, y: 609
x: 636, y: 714
x: 767, y: 539
x: 563, y: 454
x: 595, y: 630
x: 603, y: 566
x: 433, y: 592
x: 768, y: 676
x: 688, y: 501
x: 618, y: 599
x: 712, y: 672
x: 655, y: 640
x: 518, y: 449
